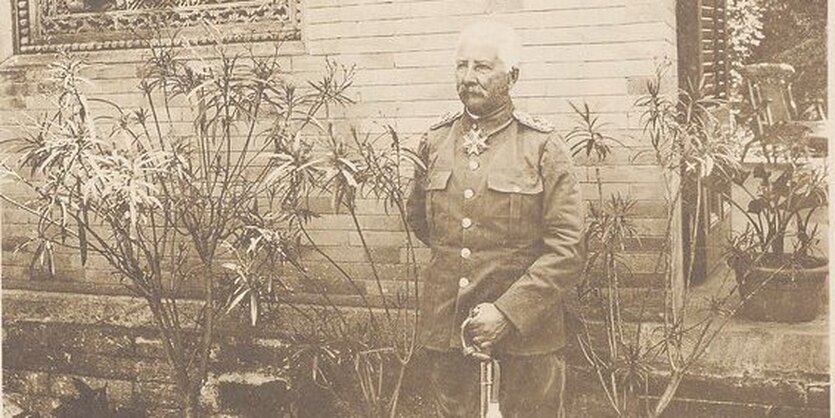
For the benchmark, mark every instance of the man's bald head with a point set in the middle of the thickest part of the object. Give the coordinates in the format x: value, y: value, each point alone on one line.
x: 486, y: 66
x: 499, y: 35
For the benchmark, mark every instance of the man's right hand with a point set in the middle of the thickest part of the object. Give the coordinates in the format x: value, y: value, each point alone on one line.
x: 485, y: 326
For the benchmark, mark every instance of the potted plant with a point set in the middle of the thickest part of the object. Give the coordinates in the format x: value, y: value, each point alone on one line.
x: 779, y: 274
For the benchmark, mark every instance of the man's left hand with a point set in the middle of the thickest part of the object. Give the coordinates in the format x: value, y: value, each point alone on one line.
x: 487, y: 327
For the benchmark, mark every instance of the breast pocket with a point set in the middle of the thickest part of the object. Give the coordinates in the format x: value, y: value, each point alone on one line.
x: 517, y: 197
x: 436, y: 204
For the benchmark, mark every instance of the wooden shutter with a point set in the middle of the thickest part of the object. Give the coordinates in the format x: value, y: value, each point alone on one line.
x: 703, y: 55
x: 703, y: 45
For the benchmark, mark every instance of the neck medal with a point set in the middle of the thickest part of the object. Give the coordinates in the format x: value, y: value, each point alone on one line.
x: 475, y: 141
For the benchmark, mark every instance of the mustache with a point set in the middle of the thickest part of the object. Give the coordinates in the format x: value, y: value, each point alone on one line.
x: 472, y: 87
x: 471, y: 90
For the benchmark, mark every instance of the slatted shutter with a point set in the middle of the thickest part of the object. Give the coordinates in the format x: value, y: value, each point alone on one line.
x: 703, y: 56
x: 714, y: 51
x: 703, y: 45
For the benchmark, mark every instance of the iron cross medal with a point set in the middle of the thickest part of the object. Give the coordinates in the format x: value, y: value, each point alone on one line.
x: 475, y: 142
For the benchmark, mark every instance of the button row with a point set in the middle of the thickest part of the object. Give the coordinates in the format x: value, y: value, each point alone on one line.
x: 467, y: 222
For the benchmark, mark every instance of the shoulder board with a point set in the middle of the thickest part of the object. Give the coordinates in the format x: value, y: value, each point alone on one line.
x: 446, y: 119
x: 533, y: 122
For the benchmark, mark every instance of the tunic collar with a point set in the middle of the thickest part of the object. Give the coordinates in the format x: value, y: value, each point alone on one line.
x: 489, y: 124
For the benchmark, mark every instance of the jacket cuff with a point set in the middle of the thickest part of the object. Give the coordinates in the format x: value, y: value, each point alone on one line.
x: 519, y: 310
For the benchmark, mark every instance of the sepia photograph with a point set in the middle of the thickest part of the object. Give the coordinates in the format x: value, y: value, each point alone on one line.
x: 414, y: 208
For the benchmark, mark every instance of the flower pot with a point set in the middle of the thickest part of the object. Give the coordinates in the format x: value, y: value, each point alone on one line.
x: 789, y: 294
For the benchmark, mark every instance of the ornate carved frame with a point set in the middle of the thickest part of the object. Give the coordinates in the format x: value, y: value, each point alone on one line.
x: 88, y: 25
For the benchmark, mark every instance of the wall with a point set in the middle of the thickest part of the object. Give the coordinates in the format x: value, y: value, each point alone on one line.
x: 6, y: 40
x: 600, y: 52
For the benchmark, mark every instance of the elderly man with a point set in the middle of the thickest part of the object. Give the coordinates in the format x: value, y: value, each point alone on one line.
x: 500, y: 208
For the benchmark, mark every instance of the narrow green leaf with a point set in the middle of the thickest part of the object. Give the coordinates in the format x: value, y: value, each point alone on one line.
x: 237, y: 300
x: 253, y: 307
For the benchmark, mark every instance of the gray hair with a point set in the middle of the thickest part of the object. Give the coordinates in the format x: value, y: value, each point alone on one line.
x: 507, y: 41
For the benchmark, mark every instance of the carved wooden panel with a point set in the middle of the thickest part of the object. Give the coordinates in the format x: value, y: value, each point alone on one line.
x: 50, y: 25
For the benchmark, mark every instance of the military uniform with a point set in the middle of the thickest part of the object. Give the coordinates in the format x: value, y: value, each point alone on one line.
x: 500, y: 208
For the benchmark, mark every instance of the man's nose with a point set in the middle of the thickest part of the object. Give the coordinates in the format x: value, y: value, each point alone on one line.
x: 469, y: 75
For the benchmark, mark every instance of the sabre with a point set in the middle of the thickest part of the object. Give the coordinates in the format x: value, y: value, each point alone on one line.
x: 490, y: 375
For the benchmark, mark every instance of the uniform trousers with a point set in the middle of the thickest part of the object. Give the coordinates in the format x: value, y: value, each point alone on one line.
x: 531, y: 386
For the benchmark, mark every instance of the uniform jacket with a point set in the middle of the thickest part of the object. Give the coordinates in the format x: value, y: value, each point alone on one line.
x: 505, y: 227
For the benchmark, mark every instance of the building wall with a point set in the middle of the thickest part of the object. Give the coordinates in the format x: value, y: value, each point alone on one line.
x: 595, y: 51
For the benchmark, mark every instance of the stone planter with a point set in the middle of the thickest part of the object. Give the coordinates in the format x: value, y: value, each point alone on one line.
x: 788, y: 295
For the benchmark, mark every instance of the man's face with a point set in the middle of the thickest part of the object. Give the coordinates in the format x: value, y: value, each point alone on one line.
x: 482, y: 79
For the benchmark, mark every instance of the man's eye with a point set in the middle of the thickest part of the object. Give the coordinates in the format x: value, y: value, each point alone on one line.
x: 482, y: 67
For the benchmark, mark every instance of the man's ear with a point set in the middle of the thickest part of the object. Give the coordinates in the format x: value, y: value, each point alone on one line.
x: 514, y: 75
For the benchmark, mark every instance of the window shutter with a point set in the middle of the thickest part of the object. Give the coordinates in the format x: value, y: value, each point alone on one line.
x: 714, y: 47
x: 703, y: 45
x: 702, y: 56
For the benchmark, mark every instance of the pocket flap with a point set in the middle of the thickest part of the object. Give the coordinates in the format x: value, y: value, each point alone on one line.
x: 438, y: 179
x: 524, y: 182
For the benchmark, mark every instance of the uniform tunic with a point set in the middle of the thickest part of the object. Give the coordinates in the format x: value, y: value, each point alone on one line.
x: 504, y: 226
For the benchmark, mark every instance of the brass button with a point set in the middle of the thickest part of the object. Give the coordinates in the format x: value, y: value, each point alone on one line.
x: 474, y: 165
x: 469, y: 193
x: 463, y: 282
x: 465, y: 253
x: 466, y: 222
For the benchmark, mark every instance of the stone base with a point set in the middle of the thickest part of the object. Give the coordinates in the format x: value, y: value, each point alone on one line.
x: 48, y: 338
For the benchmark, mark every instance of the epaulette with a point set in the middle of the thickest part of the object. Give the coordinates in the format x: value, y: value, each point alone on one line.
x: 533, y: 122
x: 446, y: 119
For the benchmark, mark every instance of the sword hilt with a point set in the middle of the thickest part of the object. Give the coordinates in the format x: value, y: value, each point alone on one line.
x: 472, y: 350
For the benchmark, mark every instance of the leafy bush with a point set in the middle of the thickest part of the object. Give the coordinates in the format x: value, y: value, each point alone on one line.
x: 631, y: 355
x: 218, y: 205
